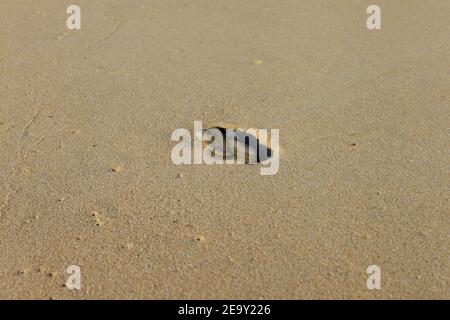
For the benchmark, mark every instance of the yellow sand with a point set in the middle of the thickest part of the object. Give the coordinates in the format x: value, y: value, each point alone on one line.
x: 86, y: 177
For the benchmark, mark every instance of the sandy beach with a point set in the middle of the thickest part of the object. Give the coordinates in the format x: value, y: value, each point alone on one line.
x: 86, y: 178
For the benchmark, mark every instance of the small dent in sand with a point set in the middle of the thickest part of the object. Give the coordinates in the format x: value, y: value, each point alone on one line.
x: 24, y: 271
x: 61, y: 36
x: 258, y: 61
x: 97, y: 218
x: 118, y: 168
x: 200, y: 238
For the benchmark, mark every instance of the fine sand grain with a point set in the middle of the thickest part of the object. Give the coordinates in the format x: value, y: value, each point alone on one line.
x: 86, y: 176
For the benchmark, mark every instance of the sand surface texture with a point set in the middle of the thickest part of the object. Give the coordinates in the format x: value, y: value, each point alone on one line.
x: 86, y: 176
